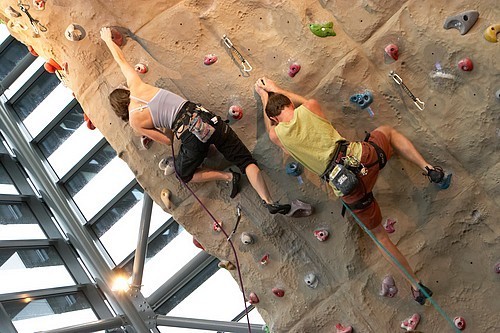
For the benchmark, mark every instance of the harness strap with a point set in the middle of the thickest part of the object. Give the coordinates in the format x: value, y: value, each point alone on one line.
x: 340, y: 150
x: 381, y: 157
x: 362, y: 203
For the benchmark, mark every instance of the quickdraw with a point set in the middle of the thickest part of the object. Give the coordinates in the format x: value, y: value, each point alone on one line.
x: 35, y: 24
x: 420, y: 105
x: 245, y: 65
x: 238, y: 218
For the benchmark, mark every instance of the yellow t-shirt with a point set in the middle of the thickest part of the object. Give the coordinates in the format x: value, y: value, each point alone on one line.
x: 311, y: 140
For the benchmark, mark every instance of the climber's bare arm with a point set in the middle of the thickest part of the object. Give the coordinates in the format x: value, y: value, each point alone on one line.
x: 133, y: 79
x: 139, y: 123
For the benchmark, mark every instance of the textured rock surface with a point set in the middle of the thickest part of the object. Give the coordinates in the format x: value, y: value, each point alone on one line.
x: 450, y: 237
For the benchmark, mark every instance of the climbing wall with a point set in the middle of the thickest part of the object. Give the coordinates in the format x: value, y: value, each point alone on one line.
x: 450, y: 237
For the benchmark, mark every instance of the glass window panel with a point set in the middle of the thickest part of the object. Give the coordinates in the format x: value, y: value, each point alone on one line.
x: 32, y: 269
x: 175, y: 247
x: 122, y: 222
x: 17, y: 221
x: 4, y: 32
x: 62, y: 131
x: 24, y: 77
x: 90, y: 169
x: 48, y: 109
x: 11, y: 56
x: 35, y: 94
x: 225, y: 307
x: 41, y: 314
x: 6, y: 184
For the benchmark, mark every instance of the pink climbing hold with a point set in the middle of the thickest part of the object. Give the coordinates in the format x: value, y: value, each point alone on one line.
x: 210, y: 59
x: 198, y: 244
x: 465, y: 64
x: 459, y: 323
x: 117, y: 37
x: 389, y: 225
x: 253, y: 299
x: 141, y: 68
x: 392, y: 50
x: 217, y: 226
x: 265, y: 259
x: 293, y: 69
x: 278, y: 292
x: 343, y: 329
x: 411, y: 323
x: 236, y: 112
x: 497, y: 267
x: 389, y: 288
x: 321, y: 234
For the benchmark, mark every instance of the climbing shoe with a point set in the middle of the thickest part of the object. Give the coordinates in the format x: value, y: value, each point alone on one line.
x: 275, y: 208
x: 235, y: 184
x: 437, y: 176
x: 418, y: 295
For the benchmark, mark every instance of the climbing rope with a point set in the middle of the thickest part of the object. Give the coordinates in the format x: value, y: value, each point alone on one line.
x: 219, y: 226
x: 398, y: 264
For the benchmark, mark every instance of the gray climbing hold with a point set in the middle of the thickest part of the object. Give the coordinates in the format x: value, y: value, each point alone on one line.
x: 246, y: 238
x: 497, y: 94
x: 311, y: 280
x: 462, y: 22
x: 74, y: 32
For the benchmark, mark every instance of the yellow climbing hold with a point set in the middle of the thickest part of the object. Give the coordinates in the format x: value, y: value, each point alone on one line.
x: 490, y: 34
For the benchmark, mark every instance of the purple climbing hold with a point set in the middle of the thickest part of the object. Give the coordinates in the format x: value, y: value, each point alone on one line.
x: 253, y: 299
x: 278, y: 292
x: 462, y: 22
x: 389, y: 288
x: 293, y: 69
x: 299, y: 209
x: 389, y: 225
x: 210, y: 59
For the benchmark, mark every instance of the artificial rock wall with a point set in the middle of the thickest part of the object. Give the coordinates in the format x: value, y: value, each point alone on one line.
x: 450, y: 237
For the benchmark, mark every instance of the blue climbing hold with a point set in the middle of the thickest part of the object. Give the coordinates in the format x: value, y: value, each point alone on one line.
x: 294, y: 169
x: 362, y: 100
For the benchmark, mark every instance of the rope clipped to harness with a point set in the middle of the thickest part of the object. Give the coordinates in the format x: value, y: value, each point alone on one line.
x: 219, y: 226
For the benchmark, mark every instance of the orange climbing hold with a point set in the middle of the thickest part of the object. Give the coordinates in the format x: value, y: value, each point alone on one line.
x: 32, y: 51
x: 52, y: 66
x: 90, y: 126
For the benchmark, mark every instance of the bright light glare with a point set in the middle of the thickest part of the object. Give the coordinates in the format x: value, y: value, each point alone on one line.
x: 121, y: 284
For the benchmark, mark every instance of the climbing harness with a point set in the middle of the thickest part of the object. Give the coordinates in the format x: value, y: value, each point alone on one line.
x: 219, y: 226
x: 420, y: 105
x: 245, y: 65
x: 35, y: 24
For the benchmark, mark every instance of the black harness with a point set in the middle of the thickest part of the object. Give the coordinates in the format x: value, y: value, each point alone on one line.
x: 339, y: 153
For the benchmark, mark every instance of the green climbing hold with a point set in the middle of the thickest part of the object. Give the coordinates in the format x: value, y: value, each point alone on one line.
x: 266, y: 329
x: 322, y: 29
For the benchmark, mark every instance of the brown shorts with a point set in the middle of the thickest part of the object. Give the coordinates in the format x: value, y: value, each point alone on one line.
x: 371, y: 215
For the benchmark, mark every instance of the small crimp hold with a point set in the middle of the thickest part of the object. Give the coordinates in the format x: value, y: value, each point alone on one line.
x: 465, y: 64
x: 198, y: 244
x: 462, y: 22
x: 253, y: 298
x: 389, y: 225
x: 210, y: 59
x: 293, y: 69
x: 278, y: 292
x: 311, y: 280
x: 392, y: 50
x: 411, y: 323
x: 389, y: 288
x: 227, y: 265
x: 459, y: 323
x: 321, y: 234
x: 343, y: 329
x: 265, y: 259
x: 236, y: 112
x: 141, y: 68
x: 246, y: 238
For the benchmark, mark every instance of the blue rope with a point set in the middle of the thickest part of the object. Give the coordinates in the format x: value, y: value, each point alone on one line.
x: 372, y: 236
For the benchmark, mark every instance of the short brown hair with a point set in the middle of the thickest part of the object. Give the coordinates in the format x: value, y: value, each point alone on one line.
x: 120, y: 100
x: 275, y: 104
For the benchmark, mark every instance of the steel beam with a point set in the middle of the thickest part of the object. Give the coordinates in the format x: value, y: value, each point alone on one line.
x: 94, y: 326
x: 203, y: 324
x: 142, y: 242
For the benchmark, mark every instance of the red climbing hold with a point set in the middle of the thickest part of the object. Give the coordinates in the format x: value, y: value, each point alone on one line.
x: 197, y: 244
x: 265, y: 259
x: 459, y: 323
x: 465, y: 64
x: 253, y: 299
x: 141, y: 68
x: 392, y: 51
x: 342, y: 329
x: 210, y: 59
x: 39, y: 4
x: 497, y: 268
x: 32, y: 51
x: 52, y: 66
x: 278, y: 292
x: 389, y: 225
x: 117, y: 37
x: 90, y: 126
x: 411, y: 323
x: 236, y: 112
x: 293, y: 69
x: 217, y: 226
x: 321, y: 234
